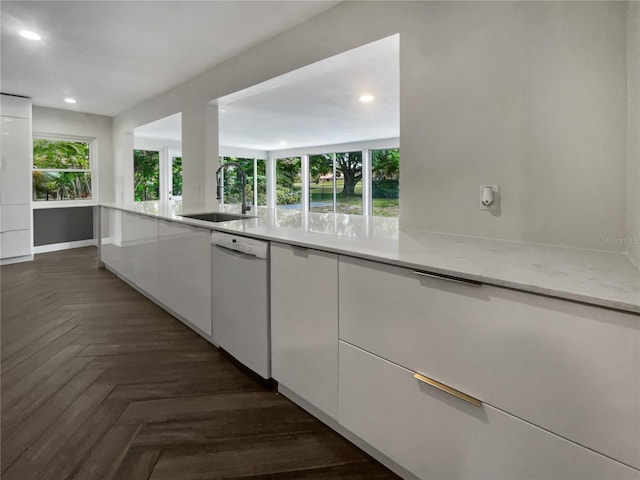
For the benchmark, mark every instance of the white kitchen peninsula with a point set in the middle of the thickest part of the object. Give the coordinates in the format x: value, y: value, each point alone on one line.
x: 453, y: 357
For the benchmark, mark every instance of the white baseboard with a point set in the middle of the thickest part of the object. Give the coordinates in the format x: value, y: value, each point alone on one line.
x: 9, y: 261
x: 54, y: 247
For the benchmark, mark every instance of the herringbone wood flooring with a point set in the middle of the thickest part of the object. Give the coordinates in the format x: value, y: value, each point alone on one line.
x: 100, y: 383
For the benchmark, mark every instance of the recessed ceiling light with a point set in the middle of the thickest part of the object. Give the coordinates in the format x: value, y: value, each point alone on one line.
x: 366, y: 98
x: 30, y: 35
x: 283, y: 143
x: 70, y: 100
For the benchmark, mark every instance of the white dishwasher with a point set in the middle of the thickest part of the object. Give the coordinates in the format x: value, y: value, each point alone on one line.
x: 239, y: 299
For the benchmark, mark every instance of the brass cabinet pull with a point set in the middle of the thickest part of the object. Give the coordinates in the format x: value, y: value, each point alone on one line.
x: 449, y: 390
x: 464, y: 281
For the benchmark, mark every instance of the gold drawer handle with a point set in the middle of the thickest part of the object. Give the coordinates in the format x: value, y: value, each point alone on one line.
x: 449, y: 390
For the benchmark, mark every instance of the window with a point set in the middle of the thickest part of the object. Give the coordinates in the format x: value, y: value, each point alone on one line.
x: 176, y: 177
x: 385, y: 182
x: 255, y: 170
x: 349, y: 182
x: 336, y: 182
x: 260, y: 182
x: 146, y: 175
x: 322, y: 183
x: 61, y: 169
x: 289, y: 182
x: 355, y: 182
x: 232, y: 180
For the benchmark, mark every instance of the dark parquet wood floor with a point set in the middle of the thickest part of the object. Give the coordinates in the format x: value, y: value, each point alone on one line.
x: 100, y: 383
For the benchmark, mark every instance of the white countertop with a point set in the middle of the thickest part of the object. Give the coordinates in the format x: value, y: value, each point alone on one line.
x: 594, y: 277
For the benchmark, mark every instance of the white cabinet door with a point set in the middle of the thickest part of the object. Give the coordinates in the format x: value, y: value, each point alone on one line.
x: 15, y: 244
x: 569, y: 368
x: 12, y: 106
x: 111, y: 238
x: 184, y: 276
x: 139, y: 240
x: 15, y: 217
x: 435, y: 435
x: 15, y: 161
x: 304, y: 324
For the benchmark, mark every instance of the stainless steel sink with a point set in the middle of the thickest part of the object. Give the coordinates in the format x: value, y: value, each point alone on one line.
x: 217, y: 216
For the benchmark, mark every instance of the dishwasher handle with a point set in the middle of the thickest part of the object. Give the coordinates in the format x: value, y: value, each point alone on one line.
x: 245, y: 245
x: 237, y: 252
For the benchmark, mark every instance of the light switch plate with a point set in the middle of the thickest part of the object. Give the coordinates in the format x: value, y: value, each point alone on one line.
x: 496, y: 198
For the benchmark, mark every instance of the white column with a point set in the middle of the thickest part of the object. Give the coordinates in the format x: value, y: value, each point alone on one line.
x: 164, y: 169
x: 195, y: 130
x: 271, y: 182
x: 211, y: 154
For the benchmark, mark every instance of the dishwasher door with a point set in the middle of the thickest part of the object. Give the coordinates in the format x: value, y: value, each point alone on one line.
x: 239, y: 300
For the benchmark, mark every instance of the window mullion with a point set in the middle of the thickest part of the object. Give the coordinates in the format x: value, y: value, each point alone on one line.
x: 367, y: 200
x: 335, y: 198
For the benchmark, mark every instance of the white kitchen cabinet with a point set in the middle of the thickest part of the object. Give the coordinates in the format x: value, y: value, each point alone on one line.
x: 571, y: 369
x: 15, y: 180
x: 435, y: 435
x: 13, y: 106
x: 168, y: 261
x: 304, y: 324
x: 15, y: 177
x: 184, y: 273
x: 15, y: 217
x: 139, y: 250
x: 111, y: 238
x: 13, y: 243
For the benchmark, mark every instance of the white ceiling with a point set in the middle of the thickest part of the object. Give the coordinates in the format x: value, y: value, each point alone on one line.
x: 318, y: 104
x: 315, y: 105
x: 110, y: 55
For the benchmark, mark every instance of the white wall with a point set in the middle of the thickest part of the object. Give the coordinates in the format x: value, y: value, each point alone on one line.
x: 527, y: 95
x: 63, y: 122
x: 633, y: 130
x: 143, y: 143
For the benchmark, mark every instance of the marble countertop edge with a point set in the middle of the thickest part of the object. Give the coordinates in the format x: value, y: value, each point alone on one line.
x: 608, y: 280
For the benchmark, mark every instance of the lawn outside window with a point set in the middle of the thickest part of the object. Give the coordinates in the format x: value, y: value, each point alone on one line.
x: 63, y: 169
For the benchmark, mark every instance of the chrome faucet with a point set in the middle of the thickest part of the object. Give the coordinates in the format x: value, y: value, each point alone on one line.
x: 243, y: 177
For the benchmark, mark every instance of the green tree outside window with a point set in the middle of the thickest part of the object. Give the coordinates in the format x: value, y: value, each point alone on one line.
x: 146, y: 175
x: 61, y: 170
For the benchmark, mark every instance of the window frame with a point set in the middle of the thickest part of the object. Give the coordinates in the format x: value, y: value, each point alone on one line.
x: 93, y: 171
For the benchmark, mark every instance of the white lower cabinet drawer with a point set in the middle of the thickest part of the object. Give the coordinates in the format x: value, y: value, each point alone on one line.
x: 15, y: 244
x: 15, y: 217
x: 437, y: 436
x: 569, y: 368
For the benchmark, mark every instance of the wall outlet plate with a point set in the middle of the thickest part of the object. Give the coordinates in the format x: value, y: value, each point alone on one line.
x: 495, y: 205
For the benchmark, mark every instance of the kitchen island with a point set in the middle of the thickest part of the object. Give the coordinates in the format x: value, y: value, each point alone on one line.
x: 442, y: 356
